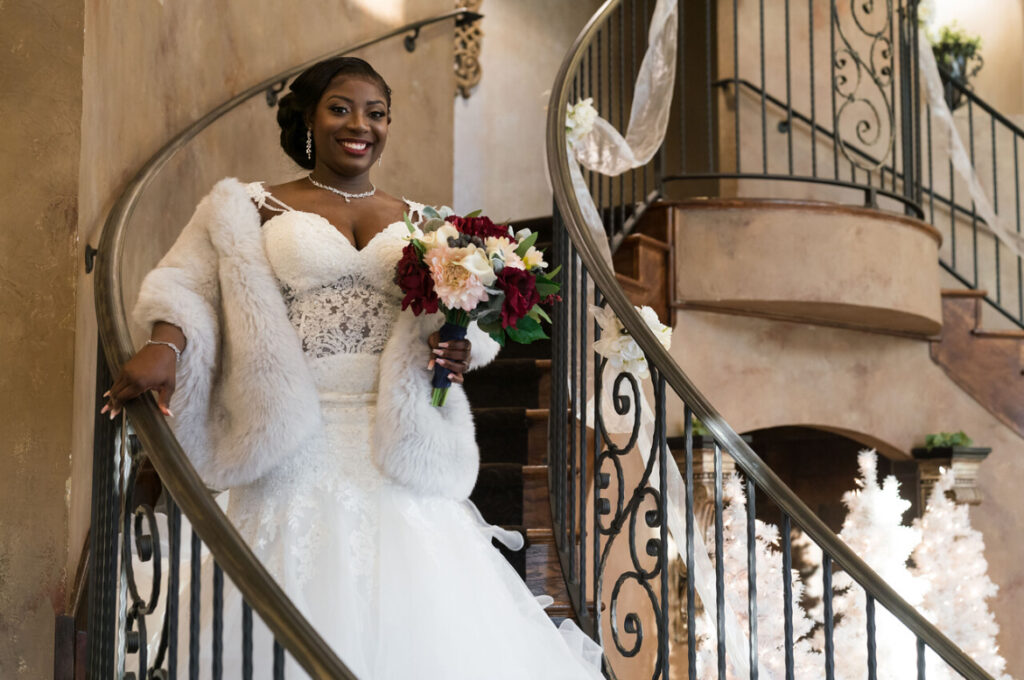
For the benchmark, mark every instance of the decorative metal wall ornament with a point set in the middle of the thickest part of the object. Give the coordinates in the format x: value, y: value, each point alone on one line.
x: 862, y: 82
x: 468, y: 38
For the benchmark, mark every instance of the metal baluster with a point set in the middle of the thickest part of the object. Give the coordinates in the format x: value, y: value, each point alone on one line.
x: 278, y: 661
x: 601, y: 108
x: 892, y: 98
x: 622, y: 109
x: 872, y: 660
x: 814, y: 119
x: 787, y: 593
x: 752, y: 574
x: 583, y: 448
x: 789, y: 95
x: 995, y: 205
x: 218, y: 622
x: 736, y: 79
x: 952, y: 216
x: 830, y: 646
x: 1020, y: 268
x: 691, y: 633
x: 193, y: 613
x: 663, y: 545
x: 832, y: 86
x: 931, y: 185
x: 920, y: 660
x: 246, y: 641
x: 707, y: 82
x: 974, y: 208
x: 173, y: 587
x: 764, y: 103
x: 577, y: 390
x: 634, y: 69
x: 719, y: 565
x: 598, y: 479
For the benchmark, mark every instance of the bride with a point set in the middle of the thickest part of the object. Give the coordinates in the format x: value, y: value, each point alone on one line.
x: 295, y: 380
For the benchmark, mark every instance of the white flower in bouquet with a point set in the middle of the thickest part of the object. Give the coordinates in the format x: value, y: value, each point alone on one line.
x: 534, y: 258
x: 618, y: 346
x: 504, y: 250
x: 479, y: 265
x: 579, y: 120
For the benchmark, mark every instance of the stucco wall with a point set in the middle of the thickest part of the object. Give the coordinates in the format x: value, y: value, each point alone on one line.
x: 880, y: 389
x: 500, y: 163
x: 41, y: 78
x: 153, y: 67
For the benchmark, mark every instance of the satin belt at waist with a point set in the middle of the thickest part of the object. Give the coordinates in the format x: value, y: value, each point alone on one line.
x: 342, y: 400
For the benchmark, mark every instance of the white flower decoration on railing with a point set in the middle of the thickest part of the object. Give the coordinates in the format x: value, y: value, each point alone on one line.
x: 579, y: 120
x: 619, y: 347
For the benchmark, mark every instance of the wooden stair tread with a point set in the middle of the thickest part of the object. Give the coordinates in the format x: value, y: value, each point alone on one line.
x: 1005, y: 335
x: 963, y: 292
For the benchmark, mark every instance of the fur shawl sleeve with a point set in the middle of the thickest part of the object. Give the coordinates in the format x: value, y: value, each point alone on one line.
x: 244, y: 397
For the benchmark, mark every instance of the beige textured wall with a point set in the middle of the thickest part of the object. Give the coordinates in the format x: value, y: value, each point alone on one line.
x: 500, y: 163
x: 41, y: 78
x: 151, y: 68
x: 762, y: 374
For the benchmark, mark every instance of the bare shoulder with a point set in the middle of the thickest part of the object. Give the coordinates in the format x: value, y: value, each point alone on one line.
x: 392, y: 208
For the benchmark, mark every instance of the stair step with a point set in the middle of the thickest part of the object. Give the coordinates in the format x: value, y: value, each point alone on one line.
x: 536, y: 507
x: 510, y: 382
x: 499, y: 493
x: 502, y: 433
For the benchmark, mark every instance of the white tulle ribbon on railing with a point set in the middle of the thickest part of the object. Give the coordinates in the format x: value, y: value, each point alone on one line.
x: 957, y: 151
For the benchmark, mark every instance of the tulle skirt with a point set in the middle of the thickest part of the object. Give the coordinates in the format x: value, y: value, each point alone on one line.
x: 402, y: 587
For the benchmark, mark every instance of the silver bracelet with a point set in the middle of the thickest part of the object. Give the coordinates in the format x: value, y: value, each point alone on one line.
x: 177, y: 352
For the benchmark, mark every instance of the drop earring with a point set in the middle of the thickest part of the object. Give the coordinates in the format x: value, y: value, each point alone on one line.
x: 309, y: 144
x: 380, y: 158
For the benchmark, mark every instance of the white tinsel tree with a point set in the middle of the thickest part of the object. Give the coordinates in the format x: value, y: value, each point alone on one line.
x: 951, y: 560
x: 770, y: 598
x: 873, y: 529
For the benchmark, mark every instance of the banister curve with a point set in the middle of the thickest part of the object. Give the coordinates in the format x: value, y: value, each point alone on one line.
x: 237, y: 560
x: 748, y: 461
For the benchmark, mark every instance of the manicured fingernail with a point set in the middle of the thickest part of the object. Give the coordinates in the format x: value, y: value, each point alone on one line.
x: 451, y: 376
x: 438, y: 351
x: 113, y: 414
x: 167, y: 412
x: 442, y: 362
x: 105, y: 408
x: 430, y: 364
x: 442, y: 344
x: 107, y: 393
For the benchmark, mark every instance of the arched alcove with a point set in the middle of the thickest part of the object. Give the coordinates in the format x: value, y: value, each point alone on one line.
x: 820, y: 465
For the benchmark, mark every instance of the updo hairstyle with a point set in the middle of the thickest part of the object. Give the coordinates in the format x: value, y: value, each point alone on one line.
x: 304, y: 95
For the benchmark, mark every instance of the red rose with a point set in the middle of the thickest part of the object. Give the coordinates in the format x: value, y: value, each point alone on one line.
x: 414, y: 279
x: 477, y: 226
x: 520, y: 295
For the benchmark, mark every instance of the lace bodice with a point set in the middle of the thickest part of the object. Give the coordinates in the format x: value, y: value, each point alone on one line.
x: 341, y: 300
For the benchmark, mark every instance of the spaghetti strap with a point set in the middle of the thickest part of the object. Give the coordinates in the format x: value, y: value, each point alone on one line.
x: 261, y: 196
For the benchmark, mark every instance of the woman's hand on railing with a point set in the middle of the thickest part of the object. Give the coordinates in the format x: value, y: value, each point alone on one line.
x: 154, y: 367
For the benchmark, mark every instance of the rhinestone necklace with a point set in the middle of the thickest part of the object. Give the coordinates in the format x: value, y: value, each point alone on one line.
x: 344, y: 194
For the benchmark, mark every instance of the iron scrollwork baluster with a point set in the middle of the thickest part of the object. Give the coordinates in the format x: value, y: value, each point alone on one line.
x: 861, y: 81
x: 628, y: 512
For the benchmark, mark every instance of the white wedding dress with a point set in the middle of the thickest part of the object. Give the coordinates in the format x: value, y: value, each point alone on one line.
x: 403, y: 587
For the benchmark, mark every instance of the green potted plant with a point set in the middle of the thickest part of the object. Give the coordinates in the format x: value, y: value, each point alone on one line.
x: 958, y: 55
x: 946, y: 445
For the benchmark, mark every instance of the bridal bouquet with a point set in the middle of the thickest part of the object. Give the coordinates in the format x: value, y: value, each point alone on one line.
x: 474, y: 270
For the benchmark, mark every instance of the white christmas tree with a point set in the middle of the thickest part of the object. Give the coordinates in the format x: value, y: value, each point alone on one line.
x: 770, y: 598
x: 873, y: 530
x: 951, y: 560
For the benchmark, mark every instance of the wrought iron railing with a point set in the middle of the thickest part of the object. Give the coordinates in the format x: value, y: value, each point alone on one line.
x: 126, y: 534
x: 970, y: 252
x: 613, y: 502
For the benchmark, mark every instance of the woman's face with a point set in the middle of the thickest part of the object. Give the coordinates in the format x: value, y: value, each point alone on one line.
x: 350, y: 125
